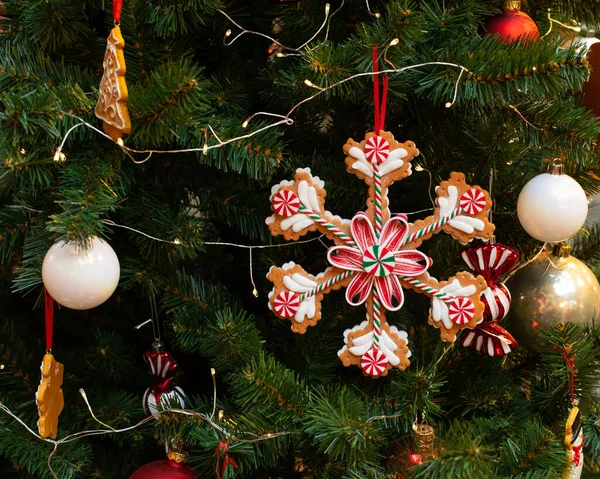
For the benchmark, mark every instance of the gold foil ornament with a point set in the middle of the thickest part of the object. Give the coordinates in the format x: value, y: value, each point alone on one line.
x: 554, y: 288
x: 112, y: 102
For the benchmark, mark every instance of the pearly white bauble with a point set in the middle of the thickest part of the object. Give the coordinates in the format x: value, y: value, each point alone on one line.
x: 81, y: 278
x: 552, y: 208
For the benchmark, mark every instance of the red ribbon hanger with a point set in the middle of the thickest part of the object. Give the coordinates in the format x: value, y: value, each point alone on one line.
x: 49, y: 314
x: 223, y: 448
x: 117, y: 7
x: 379, y: 107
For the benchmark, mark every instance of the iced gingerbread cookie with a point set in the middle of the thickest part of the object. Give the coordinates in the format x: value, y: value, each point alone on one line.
x: 375, y: 256
x: 49, y: 397
x: 112, y: 102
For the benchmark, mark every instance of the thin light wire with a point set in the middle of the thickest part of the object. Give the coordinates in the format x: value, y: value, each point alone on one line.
x: 542, y: 249
x: 323, y: 25
x: 276, y: 42
x: 516, y: 110
x: 254, y: 289
x: 376, y: 14
x: 285, y: 119
x: 111, y: 430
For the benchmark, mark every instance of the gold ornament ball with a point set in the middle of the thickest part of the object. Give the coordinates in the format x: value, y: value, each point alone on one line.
x: 555, y: 287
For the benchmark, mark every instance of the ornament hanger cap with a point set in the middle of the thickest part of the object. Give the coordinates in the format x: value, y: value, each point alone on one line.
x: 561, y: 250
x: 512, y: 5
x: 158, y: 346
x: 557, y: 167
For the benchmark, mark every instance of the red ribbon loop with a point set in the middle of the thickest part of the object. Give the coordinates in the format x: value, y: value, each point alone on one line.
x: 49, y: 314
x: 571, y: 365
x: 117, y: 6
x: 223, y: 448
x: 379, y: 107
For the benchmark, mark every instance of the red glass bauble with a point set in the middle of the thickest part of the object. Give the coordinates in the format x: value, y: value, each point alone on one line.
x: 165, y: 469
x: 513, y: 25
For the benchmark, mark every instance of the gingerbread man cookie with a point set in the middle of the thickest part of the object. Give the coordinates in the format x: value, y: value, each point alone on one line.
x: 375, y: 254
x: 49, y: 397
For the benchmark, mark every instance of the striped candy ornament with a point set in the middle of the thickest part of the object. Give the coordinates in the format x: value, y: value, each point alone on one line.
x: 379, y: 261
x: 373, y: 362
x: 497, y: 302
x: 163, y: 396
x: 161, y: 363
x: 286, y: 304
x: 473, y: 201
x: 286, y: 203
x: 377, y: 149
x: 491, y: 261
x: 461, y: 311
x: 491, y: 339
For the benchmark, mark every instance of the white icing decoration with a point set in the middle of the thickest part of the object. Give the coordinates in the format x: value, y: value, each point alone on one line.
x: 299, y: 283
x: 393, y: 161
x: 439, y: 309
x: 275, y: 188
x: 297, y: 222
x: 365, y: 342
x: 362, y: 168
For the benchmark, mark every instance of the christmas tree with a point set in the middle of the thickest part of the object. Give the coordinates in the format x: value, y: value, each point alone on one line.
x: 166, y: 167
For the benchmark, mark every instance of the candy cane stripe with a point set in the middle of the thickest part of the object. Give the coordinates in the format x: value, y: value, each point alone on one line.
x: 323, y: 222
x: 326, y: 284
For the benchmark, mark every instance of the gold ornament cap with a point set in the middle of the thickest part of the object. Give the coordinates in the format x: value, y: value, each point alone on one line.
x: 178, y: 456
x: 425, y: 440
x: 561, y: 250
x: 512, y: 5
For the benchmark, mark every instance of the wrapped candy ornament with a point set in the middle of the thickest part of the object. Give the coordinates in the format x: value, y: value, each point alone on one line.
x: 491, y: 261
x: 164, y: 393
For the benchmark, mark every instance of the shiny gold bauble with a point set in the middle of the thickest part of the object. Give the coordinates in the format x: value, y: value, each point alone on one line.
x: 555, y: 287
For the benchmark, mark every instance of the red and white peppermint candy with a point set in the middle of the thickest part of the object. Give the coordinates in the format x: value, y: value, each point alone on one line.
x: 286, y: 304
x: 461, y: 311
x: 377, y: 149
x: 286, y: 203
x: 473, y: 201
x: 378, y: 261
x: 373, y: 362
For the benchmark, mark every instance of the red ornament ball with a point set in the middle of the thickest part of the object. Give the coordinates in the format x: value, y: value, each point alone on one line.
x: 513, y: 25
x: 165, y: 469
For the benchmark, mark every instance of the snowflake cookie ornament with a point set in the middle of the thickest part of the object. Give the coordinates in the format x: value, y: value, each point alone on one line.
x: 375, y: 255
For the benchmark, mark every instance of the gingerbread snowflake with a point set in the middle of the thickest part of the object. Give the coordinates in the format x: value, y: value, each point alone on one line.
x: 375, y: 255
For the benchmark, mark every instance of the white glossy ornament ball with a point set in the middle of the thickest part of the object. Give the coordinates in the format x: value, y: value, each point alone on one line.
x: 552, y: 208
x: 80, y: 278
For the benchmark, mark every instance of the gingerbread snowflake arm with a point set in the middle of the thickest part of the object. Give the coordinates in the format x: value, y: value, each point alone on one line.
x: 379, y: 160
x: 455, y: 304
x: 299, y: 207
x: 375, y: 350
x: 297, y: 295
x: 462, y: 212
